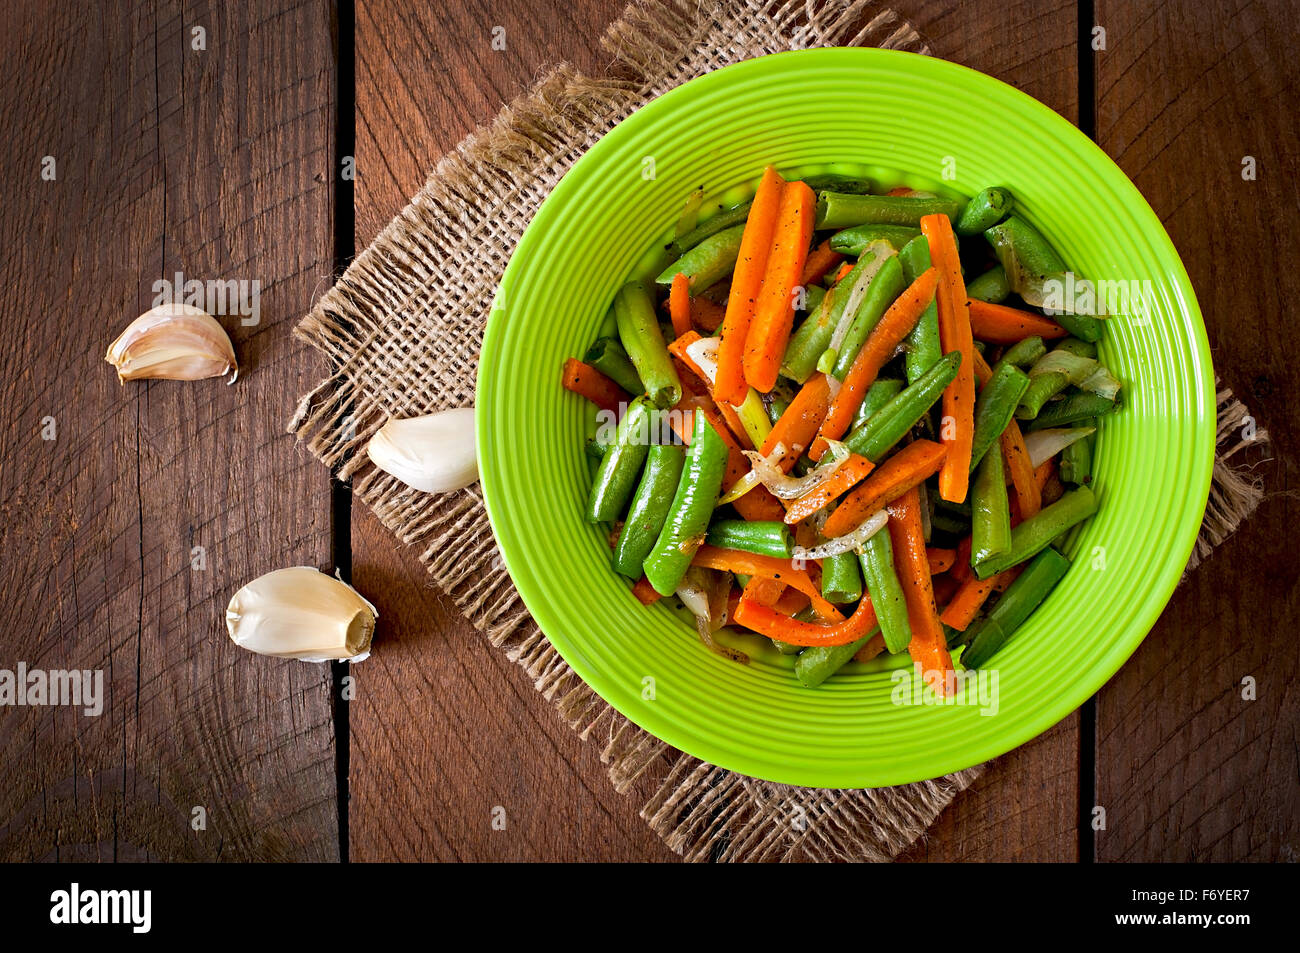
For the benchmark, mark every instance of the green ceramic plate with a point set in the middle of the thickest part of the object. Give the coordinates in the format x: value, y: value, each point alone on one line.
x: 948, y: 128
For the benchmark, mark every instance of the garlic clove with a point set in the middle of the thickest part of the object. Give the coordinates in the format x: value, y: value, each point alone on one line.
x: 304, y: 614
x: 435, y: 453
x: 173, y: 342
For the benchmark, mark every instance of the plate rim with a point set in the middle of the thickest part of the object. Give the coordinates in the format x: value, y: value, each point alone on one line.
x: 1093, y: 677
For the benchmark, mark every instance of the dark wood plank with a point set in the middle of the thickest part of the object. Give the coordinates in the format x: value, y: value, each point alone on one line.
x: 1187, y: 769
x: 444, y: 728
x: 214, y: 163
x: 442, y: 736
x: 1025, y: 807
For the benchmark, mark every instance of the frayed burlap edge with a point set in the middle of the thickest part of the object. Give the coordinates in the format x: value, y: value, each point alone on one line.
x: 403, y: 328
x: 1235, y: 489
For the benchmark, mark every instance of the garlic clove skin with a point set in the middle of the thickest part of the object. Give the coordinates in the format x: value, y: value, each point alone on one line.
x: 435, y: 453
x: 301, y: 613
x: 173, y: 342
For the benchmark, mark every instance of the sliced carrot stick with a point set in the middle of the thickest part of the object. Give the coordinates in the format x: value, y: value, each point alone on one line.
x: 972, y: 594
x: 707, y: 315
x: 767, y: 567
x: 645, y: 592
x: 879, y: 347
x: 767, y: 621
x: 728, y: 413
x: 1043, y: 474
x: 941, y: 560
x: 798, y: 425
x: 958, y: 428
x: 982, y: 370
x: 1028, y: 494
x: 900, y: 190
x: 758, y: 503
x: 792, y: 601
x: 746, y: 283
x: 850, y: 473
x: 820, y: 261
x: 966, y: 601
x: 844, y: 270
x: 900, y: 473
x: 679, y: 304
x: 945, y: 587
x: 769, y: 331
x: 585, y: 381
x: 768, y: 592
x: 677, y: 348
x: 929, y: 646
x: 999, y: 324
x: 961, y: 570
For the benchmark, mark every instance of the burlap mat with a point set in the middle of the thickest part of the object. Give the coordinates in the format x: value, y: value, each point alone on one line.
x: 403, y: 328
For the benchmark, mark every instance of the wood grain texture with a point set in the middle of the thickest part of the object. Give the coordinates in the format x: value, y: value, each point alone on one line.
x: 213, y: 163
x: 1186, y: 768
x: 445, y: 728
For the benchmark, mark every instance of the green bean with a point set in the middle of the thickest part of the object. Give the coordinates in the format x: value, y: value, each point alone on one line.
x: 886, y: 591
x: 841, y: 578
x: 617, y: 476
x: 1024, y: 354
x: 1071, y: 410
x: 995, y: 407
x: 776, y: 407
x: 1034, y: 534
x: 819, y: 662
x: 649, y: 509
x: 984, y: 211
x: 765, y: 537
x: 725, y: 219
x: 1015, y: 606
x: 610, y: 358
x: 1076, y: 459
x: 884, y: 288
x: 844, y: 184
x: 991, y: 286
x: 888, y: 425
x: 690, y: 510
x: 708, y: 262
x: 1030, y: 262
x: 839, y: 210
x: 785, y: 648
x: 690, y: 215
x: 1050, y: 375
x: 1084, y: 349
x: 596, y: 450
x: 642, y: 338
x: 819, y: 336
x: 812, y: 336
x: 922, y: 342
x: 812, y: 298
x: 881, y: 392
x: 990, y: 530
x: 854, y: 241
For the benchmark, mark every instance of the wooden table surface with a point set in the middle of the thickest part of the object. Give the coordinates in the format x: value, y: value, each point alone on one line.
x: 217, y: 154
